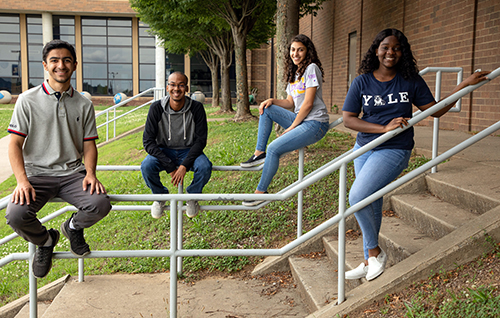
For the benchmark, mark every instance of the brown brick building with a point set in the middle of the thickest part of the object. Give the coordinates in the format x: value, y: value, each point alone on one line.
x: 453, y: 33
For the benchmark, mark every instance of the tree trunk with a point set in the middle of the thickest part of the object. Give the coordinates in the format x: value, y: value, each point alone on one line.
x: 212, y: 61
x: 225, y: 63
x: 240, y: 49
x: 287, y: 26
x: 215, y: 86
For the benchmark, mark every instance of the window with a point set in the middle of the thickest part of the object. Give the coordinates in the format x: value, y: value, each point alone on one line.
x: 107, y: 55
x: 35, y: 47
x: 147, y: 59
x: 10, y: 53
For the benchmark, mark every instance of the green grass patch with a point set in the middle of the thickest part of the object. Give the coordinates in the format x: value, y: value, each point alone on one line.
x: 229, y: 144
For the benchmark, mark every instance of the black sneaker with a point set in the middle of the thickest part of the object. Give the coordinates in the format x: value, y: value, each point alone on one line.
x: 253, y: 202
x: 42, y: 260
x: 254, y: 161
x: 78, y: 246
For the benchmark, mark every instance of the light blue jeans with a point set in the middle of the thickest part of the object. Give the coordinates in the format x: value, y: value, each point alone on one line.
x: 151, y: 168
x: 308, y: 132
x: 374, y: 170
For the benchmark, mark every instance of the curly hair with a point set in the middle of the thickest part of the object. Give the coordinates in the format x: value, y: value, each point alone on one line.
x: 407, y: 65
x: 291, y: 70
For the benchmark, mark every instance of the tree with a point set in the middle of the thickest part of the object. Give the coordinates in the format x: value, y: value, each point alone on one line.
x: 241, y: 15
x: 187, y: 29
x: 288, y: 15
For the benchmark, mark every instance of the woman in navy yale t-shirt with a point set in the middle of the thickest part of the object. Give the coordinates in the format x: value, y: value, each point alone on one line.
x: 384, y: 92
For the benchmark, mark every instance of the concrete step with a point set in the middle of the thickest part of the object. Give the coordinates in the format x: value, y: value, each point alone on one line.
x: 353, y: 256
x: 316, y: 280
x: 429, y: 214
x: 474, y: 188
x: 25, y: 311
x: 400, y: 240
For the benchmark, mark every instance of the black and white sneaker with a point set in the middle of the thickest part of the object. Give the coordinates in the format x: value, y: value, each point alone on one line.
x: 42, y: 260
x: 254, y: 161
x: 253, y: 202
x: 77, y: 244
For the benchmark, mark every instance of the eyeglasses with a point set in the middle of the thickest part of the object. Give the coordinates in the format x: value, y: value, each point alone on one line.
x: 180, y: 86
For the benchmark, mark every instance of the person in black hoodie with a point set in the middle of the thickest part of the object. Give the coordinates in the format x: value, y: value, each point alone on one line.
x: 174, y: 138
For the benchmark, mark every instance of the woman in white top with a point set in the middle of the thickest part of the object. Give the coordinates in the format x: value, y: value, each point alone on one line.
x: 305, y: 124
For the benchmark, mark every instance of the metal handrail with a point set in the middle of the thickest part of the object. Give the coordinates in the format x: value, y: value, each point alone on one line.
x: 157, y: 94
x: 338, y: 163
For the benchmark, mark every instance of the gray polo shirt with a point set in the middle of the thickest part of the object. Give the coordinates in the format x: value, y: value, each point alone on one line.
x: 55, y: 127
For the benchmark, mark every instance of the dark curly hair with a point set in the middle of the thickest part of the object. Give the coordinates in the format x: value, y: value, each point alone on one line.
x: 291, y: 70
x: 407, y: 65
x: 57, y: 44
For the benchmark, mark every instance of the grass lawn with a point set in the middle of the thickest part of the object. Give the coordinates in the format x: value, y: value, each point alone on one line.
x: 229, y: 144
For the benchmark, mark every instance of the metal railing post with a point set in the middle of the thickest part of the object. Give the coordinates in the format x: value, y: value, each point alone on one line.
x: 32, y: 283
x: 300, y: 200
x: 114, y: 123
x: 180, y: 228
x: 107, y: 126
x: 435, y: 129
x: 341, y: 235
x: 173, y: 258
x: 81, y: 266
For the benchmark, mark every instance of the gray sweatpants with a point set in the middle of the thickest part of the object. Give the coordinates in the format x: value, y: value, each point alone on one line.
x: 91, y: 208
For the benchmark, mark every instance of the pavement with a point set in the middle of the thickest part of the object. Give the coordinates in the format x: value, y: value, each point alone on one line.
x: 115, y: 295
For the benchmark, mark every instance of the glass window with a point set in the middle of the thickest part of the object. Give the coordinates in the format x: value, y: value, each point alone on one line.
x: 147, y: 55
x: 107, y: 55
x: 120, y: 54
x: 35, y: 69
x: 10, y: 27
x: 120, y: 71
x: 147, y: 71
x: 114, y: 40
x: 93, y: 30
x: 94, y: 54
x: 95, y: 70
x: 120, y: 31
x: 10, y: 54
x: 94, y: 40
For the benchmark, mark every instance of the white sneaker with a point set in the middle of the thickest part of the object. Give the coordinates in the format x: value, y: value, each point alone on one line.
x: 157, y: 209
x: 376, y: 265
x: 192, y: 208
x: 358, y: 272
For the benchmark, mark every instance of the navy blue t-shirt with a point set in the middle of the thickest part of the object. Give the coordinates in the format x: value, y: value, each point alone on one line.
x: 381, y: 102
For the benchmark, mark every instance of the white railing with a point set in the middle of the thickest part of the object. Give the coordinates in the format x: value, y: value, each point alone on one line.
x: 176, y: 252
x: 157, y: 94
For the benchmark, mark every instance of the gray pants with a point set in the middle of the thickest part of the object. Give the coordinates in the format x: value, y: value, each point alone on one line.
x: 91, y: 208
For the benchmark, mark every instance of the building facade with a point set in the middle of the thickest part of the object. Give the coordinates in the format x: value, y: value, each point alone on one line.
x: 115, y: 52
x: 450, y: 33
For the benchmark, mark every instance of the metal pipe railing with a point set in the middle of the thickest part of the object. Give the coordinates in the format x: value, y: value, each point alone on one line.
x: 174, y: 253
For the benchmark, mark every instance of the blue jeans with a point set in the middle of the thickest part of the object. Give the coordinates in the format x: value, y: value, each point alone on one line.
x: 151, y: 168
x: 308, y: 132
x: 374, y: 170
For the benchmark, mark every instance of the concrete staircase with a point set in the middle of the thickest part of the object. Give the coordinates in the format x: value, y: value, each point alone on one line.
x: 440, y: 221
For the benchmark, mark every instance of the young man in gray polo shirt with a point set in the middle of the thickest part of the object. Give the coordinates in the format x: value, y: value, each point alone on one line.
x: 52, y: 129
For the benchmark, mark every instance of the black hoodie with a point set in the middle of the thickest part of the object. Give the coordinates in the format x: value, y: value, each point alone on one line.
x: 166, y: 128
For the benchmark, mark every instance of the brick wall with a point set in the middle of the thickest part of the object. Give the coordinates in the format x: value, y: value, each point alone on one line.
x: 442, y: 33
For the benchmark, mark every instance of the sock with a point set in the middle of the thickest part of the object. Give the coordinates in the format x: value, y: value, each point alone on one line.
x: 48, y: 242
x: 71, y: 225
